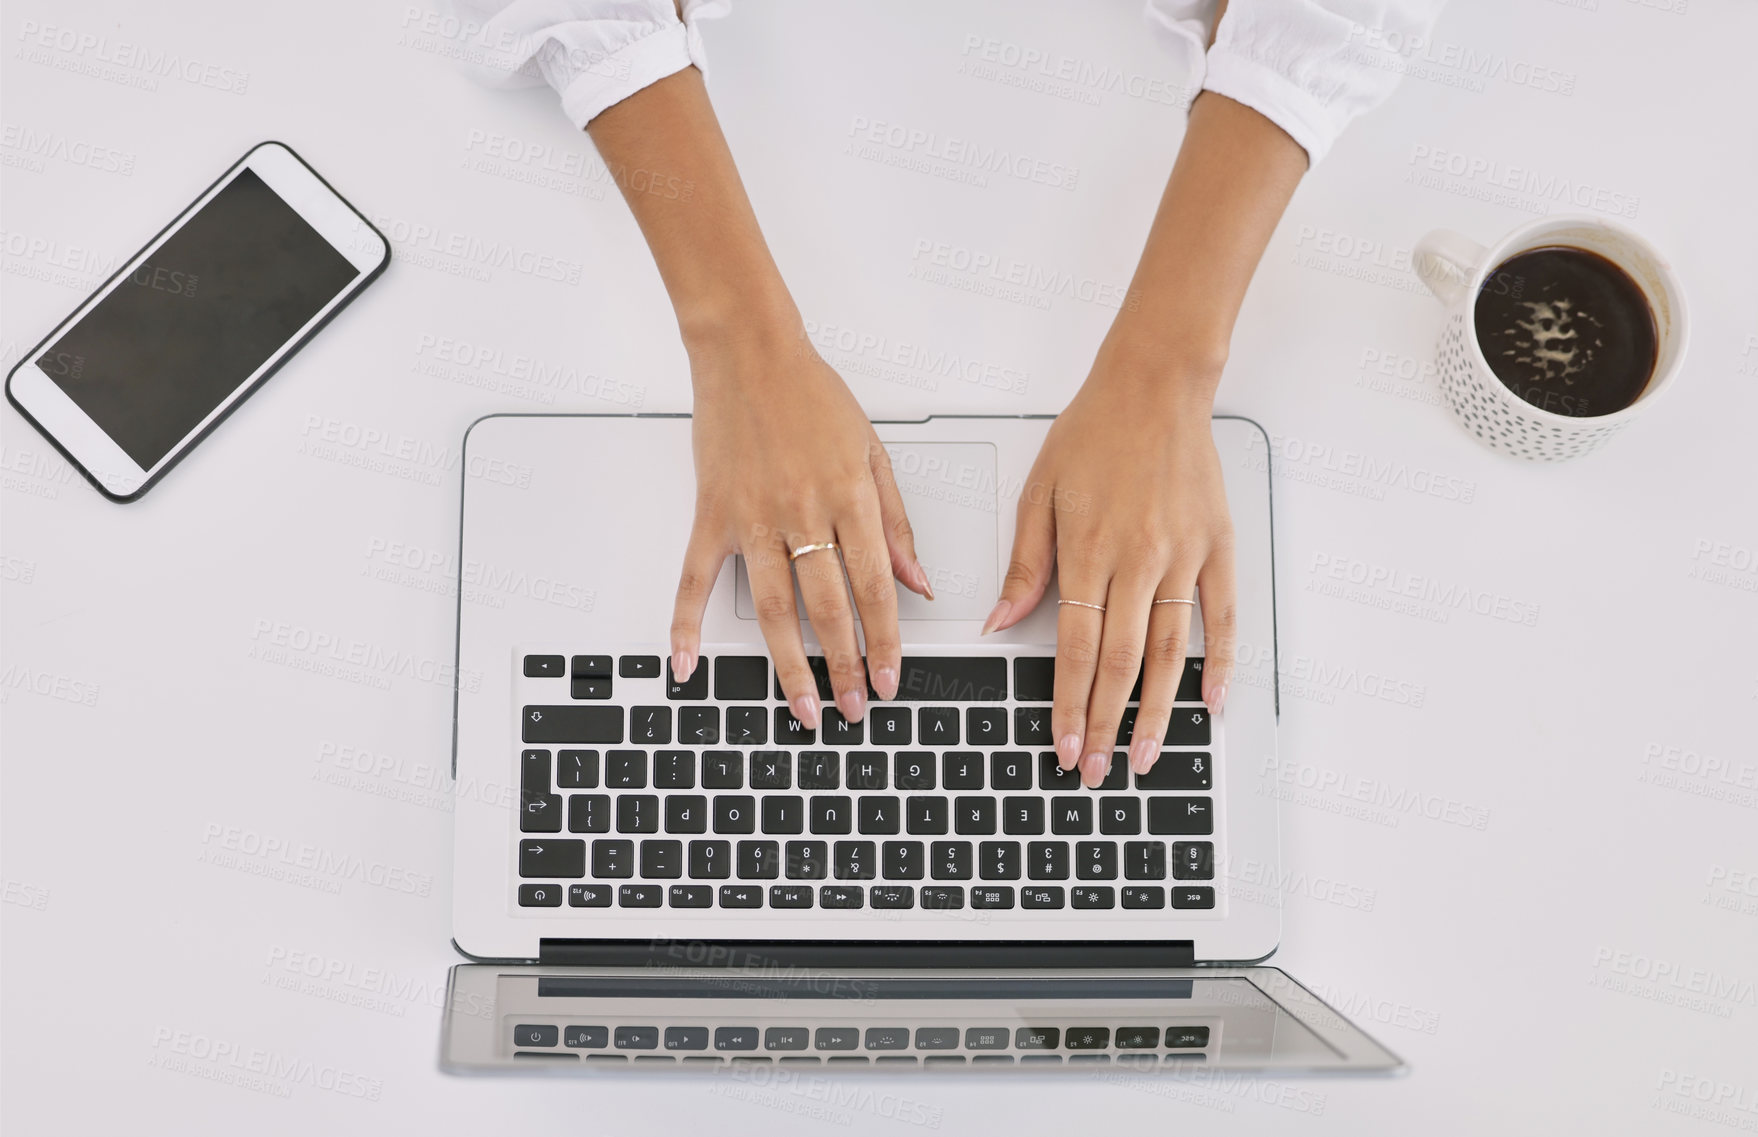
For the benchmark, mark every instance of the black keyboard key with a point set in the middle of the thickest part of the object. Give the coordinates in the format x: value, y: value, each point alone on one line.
x: 820, y: 770
x: 1189, y: 727
x: 961, y: 770
x: 1193, y: 896
x: 950, y: 860
x: 1034, y: 679
x: 576, y: 770
x: 650, y: 725
x: 1031, y: 727
x: 586, y: 1037
x: 808, y: 860
x: 790, y: 896
x: 540, y: 813
x: 690, y: 896
x: 840, y: 896
x: 571, y: 724
x: 540, y: 896
x: 545, y: 667
x: 1181, y: 816
x: 866, y: 770
x: 1010, y: 770
x: 1179, y: 770
x: 557, y: 856
x: 856, y: 860
x: 740, y: 678
x: 928, y: 814
x: 1144, y: 896
x: 915, y: 770
x: 790, y: 731
x: 1120, y: 815
x: 589, y: 896
x: 1092, y: 896
x: 625, y: 770
x: 612, y: 860
x: 698, y: 726
x: 1117, y: 774
x: 589, y: 813
x: 887, y: 1038
x: 1144, y: 860
x: 1185, y: 1037
x: 662, y: 860
x: 904, y: 860
x: 1193, y: 860
x: 1047, y: 860
x: 686, y: 1038
x: 1022, y: 815
x: 526, y: 1034
x: 787, y: 1038
x: 771, y: 770
x: 747, y: 726
x: 674, y: 770
x: 638, y: 667
x: 1137, y: 1037
x: 1087, y: 1038
x: 640, y: 895
x: 723, y: 770
x: 534, y: 772
x: 973, y: 815
x: 636, y: 1037
x: 879, y: 814
x: 832, y: 814
x: 735, y: 814
x: 637, y: 813
x: 985, y: 726
x: 936, y: 1038
x: 693, y: 689
x: 1190, y: 684
x: 1041, y: 896
x: 1037, y: 1038
x: 839, y: 731
x: 987, y: 1038
x: 1053, y: 777
x: 711, y: 860
x: 992, y: 896
x: 998, y: 860
x: 592, y: 667
x: 587, y: 688
x: 1095, y: 860
x: 891, y: 725
x: 741, y: 896
x: 784, y: 814
x: 892, y: 896
x: 942, y: 897
x: 952, y: 679
x: 836, y: 1038
x: 759, y: 860
x: 1071, y: 815
x: 735, y: 1038
x: 937, y: 726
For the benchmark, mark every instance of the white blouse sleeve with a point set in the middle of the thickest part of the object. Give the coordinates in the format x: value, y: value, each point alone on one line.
x: 595, y: 53
x: 1309, y: 66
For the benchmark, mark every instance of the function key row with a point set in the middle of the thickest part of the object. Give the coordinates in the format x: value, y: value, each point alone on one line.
x: 615, y: 859
x: 1050, y: 897
x: 843, y: 1037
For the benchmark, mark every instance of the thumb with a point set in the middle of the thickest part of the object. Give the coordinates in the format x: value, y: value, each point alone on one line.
x: 1028, y: 570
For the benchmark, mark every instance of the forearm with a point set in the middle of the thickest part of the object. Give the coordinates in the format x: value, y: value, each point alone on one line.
x: 1233, y: 178
x: 664, y: 147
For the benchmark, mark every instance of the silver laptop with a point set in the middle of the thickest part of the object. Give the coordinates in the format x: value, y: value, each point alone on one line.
x: 660, y: 874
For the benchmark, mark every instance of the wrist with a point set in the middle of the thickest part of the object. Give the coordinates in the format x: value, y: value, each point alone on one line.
x: 758, y: 317
x: 1167, y: 375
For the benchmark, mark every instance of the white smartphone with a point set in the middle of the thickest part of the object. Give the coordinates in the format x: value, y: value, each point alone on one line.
x: 196, y: 321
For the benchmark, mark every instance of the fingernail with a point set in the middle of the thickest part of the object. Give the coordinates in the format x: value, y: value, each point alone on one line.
x: 996, y: 616
x: 1142, y: 753
x: 1216, y: 699
x: 885, y: 682
x: 922, y: 579
x: 805, y: 709
x: 682, y: 664
x: 1092, y: 769
x: 1068, y: 751
x: 852, y: 703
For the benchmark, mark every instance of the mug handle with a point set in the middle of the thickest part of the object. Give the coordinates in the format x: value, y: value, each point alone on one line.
x: 1445, y: 260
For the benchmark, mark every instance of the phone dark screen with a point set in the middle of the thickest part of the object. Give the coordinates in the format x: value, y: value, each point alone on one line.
x: 197, y: 318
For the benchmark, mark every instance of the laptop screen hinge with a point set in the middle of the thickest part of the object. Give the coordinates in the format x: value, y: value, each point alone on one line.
x: 746, y: 955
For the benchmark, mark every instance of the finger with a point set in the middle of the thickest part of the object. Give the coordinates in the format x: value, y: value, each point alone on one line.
x: 1220, y: 600
x: 825, y: 589
x: 869, y: 568
x: 1079, y: 630
x: 1028, y: 570
x: 900, y: 538
x: 702, y: 560
x: 1120, y: 648
x: 772, y: 591
x: 1168, y: 639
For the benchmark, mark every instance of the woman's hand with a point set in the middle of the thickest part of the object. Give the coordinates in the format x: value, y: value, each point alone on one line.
x: 1127, y: 498
x: 785, y: 457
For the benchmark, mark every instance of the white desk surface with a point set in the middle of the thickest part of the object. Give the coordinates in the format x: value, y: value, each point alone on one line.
x: 1584, y: 960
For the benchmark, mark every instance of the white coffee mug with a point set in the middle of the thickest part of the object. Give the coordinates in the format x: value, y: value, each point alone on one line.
x: 1455, y: 268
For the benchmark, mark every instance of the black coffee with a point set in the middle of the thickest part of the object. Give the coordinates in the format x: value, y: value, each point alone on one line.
x: 1567, y: 330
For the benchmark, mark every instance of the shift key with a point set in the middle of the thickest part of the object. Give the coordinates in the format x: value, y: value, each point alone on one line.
x: 572, y: 724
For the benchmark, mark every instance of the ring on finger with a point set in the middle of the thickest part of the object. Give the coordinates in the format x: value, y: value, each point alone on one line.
x: 1083, y: 604
x: 1176, y: 600
x: 796, y: 554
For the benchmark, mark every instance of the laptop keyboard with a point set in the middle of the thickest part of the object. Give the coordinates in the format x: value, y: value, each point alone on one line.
x: 641, y: 792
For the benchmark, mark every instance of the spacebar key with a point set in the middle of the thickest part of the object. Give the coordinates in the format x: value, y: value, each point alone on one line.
x: 953, y: 679
x: 571, y: 724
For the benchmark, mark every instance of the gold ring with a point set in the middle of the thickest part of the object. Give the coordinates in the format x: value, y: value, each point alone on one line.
x: 796, y: 554
x: 1175, y: 600
x: 1083, y: 604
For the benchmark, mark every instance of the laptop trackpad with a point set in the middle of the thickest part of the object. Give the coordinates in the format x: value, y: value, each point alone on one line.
x: 949, y: 491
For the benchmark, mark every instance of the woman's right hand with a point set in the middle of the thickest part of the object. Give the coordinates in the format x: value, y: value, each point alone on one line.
x: 785, y: 457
